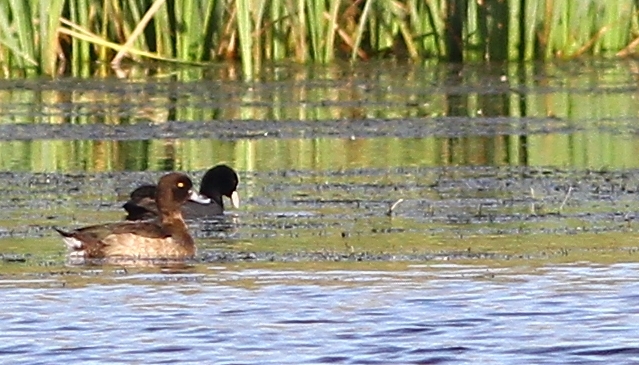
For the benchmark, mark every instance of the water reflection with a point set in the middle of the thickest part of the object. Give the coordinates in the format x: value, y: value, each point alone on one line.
x: 584, y: 149
x: 580, y: 115
x: 375, y: 137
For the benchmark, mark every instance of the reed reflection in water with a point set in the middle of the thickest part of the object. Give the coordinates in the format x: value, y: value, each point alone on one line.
x: 579, y: 115
x: 583, y: 150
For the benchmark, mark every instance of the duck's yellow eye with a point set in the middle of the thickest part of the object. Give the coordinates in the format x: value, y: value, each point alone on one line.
x: 180, y: 184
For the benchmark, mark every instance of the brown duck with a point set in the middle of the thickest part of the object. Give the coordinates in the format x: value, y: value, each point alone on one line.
x: 164, y: 238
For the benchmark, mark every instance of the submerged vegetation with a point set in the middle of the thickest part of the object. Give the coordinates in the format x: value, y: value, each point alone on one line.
x: 78, y: 37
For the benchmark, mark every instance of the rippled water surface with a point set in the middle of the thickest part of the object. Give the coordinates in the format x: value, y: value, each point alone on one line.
x: 391, y: 214
x: 422, y: 314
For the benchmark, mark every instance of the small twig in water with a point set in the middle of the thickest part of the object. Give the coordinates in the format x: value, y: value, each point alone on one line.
x: 532, y: 205
x: 565, y: 199
x: 628, y: 218
x: 349, y: 248
x: 393, y: 206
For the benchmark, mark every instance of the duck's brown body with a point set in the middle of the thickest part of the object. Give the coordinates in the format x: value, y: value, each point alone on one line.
x: 140, y: 240
x: 167, y: 237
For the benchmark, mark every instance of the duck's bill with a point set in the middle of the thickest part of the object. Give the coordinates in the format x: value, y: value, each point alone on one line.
x: 198, y: 198
x: 235, y: 200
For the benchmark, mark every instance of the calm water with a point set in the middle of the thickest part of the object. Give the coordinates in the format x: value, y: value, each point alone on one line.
x: 514, y: 242
x: 577, y: 115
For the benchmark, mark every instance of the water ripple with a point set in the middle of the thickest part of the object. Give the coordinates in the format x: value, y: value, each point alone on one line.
x: 451, y: 314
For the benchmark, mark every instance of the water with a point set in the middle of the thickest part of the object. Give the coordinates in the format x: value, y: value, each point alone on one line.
x: 514, y: 241
x: 577, y: 115
x: 423, y: 314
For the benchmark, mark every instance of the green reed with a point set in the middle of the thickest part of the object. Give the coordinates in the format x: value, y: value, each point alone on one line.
x: 75, y: 36
x: 26, y: 44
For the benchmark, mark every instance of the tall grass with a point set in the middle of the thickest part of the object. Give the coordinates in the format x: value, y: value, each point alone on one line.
x: 77, y: 36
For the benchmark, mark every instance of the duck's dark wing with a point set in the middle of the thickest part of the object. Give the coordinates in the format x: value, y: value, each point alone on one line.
x: 147, y: 229
x: 96, y: 234
x: 143, y: 192
x: 192, y: 210
x: 147, y: 209
x: 142, y: 209
x: 142, y: 204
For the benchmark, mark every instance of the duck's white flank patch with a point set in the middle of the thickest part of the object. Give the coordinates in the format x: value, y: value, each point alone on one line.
x: 76, y: 254
x: 73, y: 244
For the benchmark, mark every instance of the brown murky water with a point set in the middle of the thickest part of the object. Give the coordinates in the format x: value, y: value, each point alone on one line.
x: 514, y: 241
